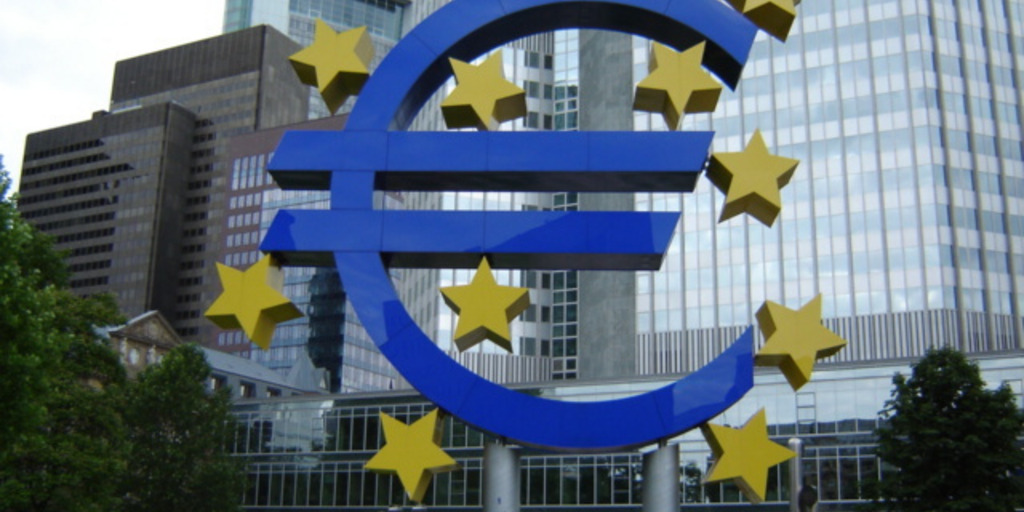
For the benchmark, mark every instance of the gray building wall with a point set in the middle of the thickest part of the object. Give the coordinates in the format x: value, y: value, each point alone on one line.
x: 111, y: 192
x: 162, y: 209
x: 607, y: 317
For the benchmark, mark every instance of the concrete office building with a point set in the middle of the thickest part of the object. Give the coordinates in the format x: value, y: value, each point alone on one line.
x: 134, y: 194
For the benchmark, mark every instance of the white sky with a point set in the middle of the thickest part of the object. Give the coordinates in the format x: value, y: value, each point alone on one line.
x: 57, y: 56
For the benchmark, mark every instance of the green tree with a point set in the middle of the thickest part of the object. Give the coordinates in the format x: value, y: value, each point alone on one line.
x: 60, y: 434
x: 31, y: 274
x: 952, y: 442
x: 179, y: 433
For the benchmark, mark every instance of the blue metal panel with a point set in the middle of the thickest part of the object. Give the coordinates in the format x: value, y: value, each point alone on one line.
x: 532, y: 161
x: 437, y: 239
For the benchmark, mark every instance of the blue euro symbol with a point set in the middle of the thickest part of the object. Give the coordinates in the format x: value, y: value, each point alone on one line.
x: 374, y: 152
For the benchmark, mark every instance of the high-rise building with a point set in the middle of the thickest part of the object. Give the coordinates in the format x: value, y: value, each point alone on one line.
x: 134, y: 194
x: 329, y: 333
x: 905, y: 211
x: 905, y: 214
x: 383, y: 19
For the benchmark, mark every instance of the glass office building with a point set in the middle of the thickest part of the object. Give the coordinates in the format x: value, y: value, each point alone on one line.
x: 308, y: 453
x: 329, y: 334
x: 905, y: 211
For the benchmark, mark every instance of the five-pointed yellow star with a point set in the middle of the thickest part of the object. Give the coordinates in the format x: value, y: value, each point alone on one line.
x: 744, y: 455
x: 773, y: 16
x: 338, y: 64
x: 676, y: 84
x: 485, y: 309
x: 482, y: 98
x: 795, y: 339
x: 413, y: 452
x: 252, y: 301
x: 751, y: 180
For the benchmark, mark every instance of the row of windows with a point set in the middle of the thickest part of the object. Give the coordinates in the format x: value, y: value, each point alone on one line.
x: 190, y: 281
x: 533, y: 89
x: 92, y: 249
x: 533, y: 120
x: 196, y: 185
x: 243, y: 239
x: 533, y: 60
x: 193, y: 248
x: 85, y: 235
x: 67, y: 192
x: 89, y: 265
x: 196, y: 216
x: 246, y: 219
x: 613, y: 479
x: 77, y: 221
x: 193, y: 264
x: 193, y: 232
x: 204, y: 137
x: 57, y: 180
x: 73, y: 207
x: 201, y: 169
x: 91, y: 281
x: 64, y: 164
x: 187, y: 315
x: 70, y: 148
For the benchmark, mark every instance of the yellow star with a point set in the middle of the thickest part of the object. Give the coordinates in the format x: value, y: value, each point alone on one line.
x: 338, y: 64
x: 794, y: 340
x: 676, y: 84
x: 744, y: 455
x: 413, y: 452
x: 252, y: 301
x: 773, y: 16
x: 485, y: 309
x: 751, y: 180
x: 482, y: 98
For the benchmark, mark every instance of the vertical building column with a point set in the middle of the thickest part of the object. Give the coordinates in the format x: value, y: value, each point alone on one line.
x: 661, y: 479
x: 795, y: 473
x: 501, y: 478
x: 607, y: 303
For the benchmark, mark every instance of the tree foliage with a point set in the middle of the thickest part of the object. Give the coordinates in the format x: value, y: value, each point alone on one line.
x: 952, y: 442
x: 74, y: 434
x: 179, y: 434
x: 30, y: 277
x: 60, y: 433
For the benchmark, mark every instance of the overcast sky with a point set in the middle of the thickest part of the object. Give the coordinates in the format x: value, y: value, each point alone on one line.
x: 57, y: 56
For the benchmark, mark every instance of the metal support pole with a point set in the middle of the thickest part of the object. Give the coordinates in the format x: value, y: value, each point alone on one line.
x: 796, y: 477
x: 501, y: 478
x: 661, y: 479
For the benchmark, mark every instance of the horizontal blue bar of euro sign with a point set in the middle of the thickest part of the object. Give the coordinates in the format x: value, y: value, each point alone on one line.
x: 457, y: 239
x: 485, y: 161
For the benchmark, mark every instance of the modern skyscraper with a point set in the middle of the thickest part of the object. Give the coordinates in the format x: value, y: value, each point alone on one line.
x: 905, y: 211
x: 134, y: 193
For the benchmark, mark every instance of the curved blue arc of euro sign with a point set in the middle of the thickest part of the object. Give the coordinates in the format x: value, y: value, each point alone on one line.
x: 372, y: 153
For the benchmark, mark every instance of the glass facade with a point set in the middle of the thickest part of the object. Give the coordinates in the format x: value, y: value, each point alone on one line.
x: 904, y: 210
x: 309, y: 452
x: 329, y: 334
